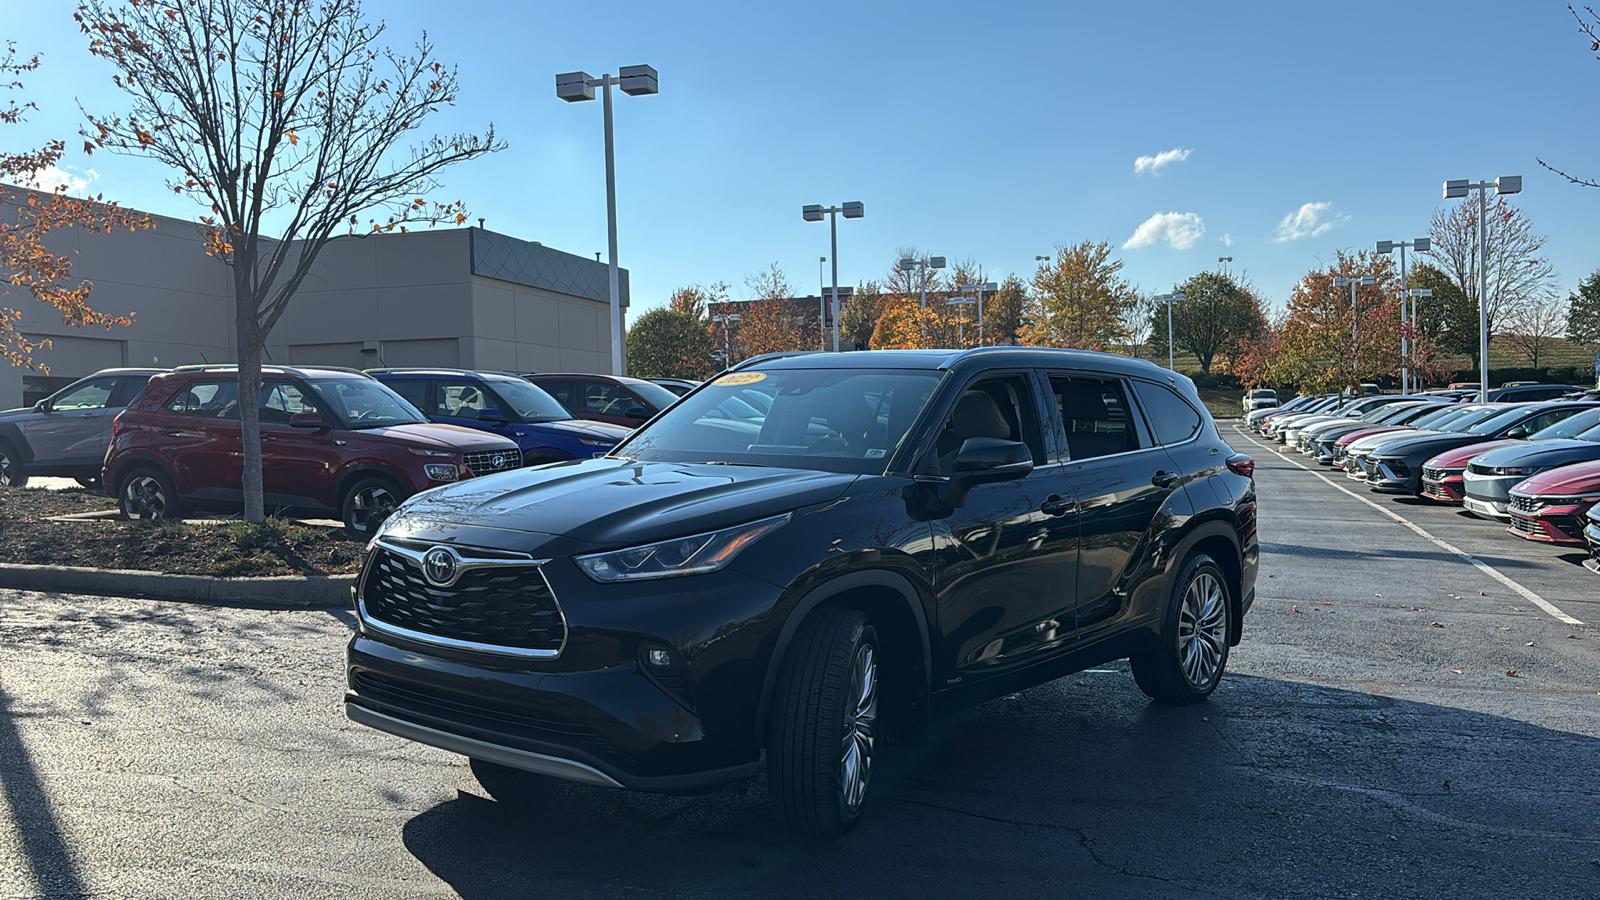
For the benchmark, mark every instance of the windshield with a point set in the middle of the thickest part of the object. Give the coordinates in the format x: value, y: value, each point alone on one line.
x: 1498, y: 423
x: 1260, y: 393
x: 1439, y: 417
x: 828, y: 419
x: 529, y: 402
x: 1385, y: 414
x: 1578, y: 425
x: 653, y: 394
x: 366, y: 402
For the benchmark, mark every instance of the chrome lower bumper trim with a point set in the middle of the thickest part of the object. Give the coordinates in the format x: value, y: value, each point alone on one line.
x: 540, y: 763
x: 1483, y: 508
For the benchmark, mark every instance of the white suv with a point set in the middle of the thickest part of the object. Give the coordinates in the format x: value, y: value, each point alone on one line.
x: 1259, y: 398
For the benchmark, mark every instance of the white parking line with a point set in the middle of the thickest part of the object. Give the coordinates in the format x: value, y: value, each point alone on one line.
x: 1489, y: 570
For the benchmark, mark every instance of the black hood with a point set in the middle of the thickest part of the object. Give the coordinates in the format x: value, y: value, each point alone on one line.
x: 1431, y: 443
x: 621, y: 503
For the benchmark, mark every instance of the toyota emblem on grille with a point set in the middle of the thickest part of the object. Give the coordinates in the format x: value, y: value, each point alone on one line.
x: 439, y: 566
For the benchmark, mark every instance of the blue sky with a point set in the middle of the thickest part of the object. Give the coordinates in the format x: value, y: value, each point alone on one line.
x: 992, y: 131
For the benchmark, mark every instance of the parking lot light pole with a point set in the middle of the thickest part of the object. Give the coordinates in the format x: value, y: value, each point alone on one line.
x: 1355, y: 322
x: 1170, y: 299
x: 1385, y: 248
x: 979, y: 288
x: 1455, y: 190
x: 724, y: 319
x: 814, y: 213
x: 575, y: 87
x: 1223, y: 262
x: 922, y: 266
x: 961, y: 323
x: 1413, y: 295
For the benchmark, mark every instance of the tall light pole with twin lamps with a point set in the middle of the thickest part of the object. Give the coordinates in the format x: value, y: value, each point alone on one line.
x: 1454, y: 190
x: 1355, y: 321
x: 574, y: 87
x: 1421, y: 245
x: 814, y: 213
x: 1170, y: 299
x: 922, y: 266
x: 1223, y: 261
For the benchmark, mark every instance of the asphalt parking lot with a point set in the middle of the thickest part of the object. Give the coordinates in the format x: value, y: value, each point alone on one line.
x: 1370, y: 741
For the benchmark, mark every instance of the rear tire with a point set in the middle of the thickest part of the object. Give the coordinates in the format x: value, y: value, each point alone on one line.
x: 367, y: 503
x: 1186, y: 661
x: 11, y: 472
x: 148, y: 495
x: 823, y: 735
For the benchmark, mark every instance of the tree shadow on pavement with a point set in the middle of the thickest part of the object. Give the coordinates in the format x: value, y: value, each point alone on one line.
x: 1082, y: 788
x: 48, y: 857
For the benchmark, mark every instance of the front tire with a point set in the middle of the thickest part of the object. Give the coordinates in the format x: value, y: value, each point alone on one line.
x: 368, y: 502
x: 823, y: 735
x: 11, y: 472
x: 1186, y: 661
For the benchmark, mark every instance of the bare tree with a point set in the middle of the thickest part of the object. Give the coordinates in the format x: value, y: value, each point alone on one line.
x: 1515, y: 268
x: 1588, y: 27
x: 280, y: 114
x: 1535, y: 325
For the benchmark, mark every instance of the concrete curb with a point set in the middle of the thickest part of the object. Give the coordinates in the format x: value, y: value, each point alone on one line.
x: 276, y: 592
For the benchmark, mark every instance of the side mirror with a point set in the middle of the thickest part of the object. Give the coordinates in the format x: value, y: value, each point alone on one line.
x: 1518, y: 433
x: 985, y: 460
x: 492, y: 415
x: 637, y: 412
x: 42, y: 406
x: 306, y: 420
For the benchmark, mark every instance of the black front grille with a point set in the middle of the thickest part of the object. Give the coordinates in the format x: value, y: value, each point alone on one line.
x: 1523, y: 504
x: 501, y: 607
x: 487, y: 462
x: 1398, y: 468
x: 1438, y: 492
x: 1434, y: 474
x: 522, y: 720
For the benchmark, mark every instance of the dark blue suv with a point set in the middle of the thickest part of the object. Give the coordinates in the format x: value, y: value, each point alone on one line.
x: 507, y: 405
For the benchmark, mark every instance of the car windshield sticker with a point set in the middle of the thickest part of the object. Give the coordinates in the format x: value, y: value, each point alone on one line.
x: 742, y: 378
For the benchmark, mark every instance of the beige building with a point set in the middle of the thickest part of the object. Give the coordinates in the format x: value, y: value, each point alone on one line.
x: 462, y: 297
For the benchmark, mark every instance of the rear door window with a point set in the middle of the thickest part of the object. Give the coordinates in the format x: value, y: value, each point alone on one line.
x: 1171, y: 417
x: 1095, y: 415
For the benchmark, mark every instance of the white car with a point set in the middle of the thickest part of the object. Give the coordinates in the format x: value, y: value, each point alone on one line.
x: 1259, y: 398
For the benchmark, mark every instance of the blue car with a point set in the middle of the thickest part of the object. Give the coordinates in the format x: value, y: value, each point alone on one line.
x: 507, y: 405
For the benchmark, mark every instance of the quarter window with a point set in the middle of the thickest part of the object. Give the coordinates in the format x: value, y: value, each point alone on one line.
x: 1173, y: 420
x: 1094, y: 415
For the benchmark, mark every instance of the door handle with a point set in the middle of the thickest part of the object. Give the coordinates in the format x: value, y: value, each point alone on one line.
x: 1164, y: 479
x: 1057, y: 505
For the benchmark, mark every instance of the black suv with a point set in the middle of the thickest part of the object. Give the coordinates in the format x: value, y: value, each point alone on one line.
x: 809, y: 553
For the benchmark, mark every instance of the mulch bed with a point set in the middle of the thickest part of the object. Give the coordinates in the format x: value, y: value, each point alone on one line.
x: 279, y: 547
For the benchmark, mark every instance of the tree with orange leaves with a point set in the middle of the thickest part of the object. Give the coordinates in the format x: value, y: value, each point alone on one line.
x: 286, y: 114
x: 28, y: 216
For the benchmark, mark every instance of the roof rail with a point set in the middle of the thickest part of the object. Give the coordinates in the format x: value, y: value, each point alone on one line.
x: 268, y: 367
x: 763, y: 357
x: 451, y: 369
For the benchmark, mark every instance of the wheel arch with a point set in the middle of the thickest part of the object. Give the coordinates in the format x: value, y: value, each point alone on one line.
x: 12, y: 436
x: 356, y: 471
x: 895, y: 608
x: 1219, y: 539
x: 137, y: 459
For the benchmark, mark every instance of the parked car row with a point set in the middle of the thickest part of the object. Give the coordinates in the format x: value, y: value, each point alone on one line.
x: 333, y: 440
x: 1530, y: 461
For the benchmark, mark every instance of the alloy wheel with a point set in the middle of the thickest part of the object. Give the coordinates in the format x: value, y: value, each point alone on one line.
x: 860, y: 728
x: 144, y: 498
x: 370, y: 507
x: 1202, y: 630
x: 7, y: 470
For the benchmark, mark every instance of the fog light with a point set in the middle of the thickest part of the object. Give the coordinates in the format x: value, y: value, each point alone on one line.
x: 657, y: 657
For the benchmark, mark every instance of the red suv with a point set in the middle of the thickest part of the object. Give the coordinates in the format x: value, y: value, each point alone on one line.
x: 331, y: 440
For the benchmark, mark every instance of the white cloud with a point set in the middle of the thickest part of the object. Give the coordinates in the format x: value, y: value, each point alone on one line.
x: 1310, y: 220
x: 50, y: 178
x: 1180, y: 230
x: 1227, y: 240
x: 1160, y: 160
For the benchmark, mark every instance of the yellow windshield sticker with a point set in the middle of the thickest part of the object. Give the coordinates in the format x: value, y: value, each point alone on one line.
x: 742, y: 378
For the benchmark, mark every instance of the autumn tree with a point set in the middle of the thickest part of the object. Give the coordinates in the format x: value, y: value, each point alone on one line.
x: 28, y: 216
x: 1583, y: 310
x: 1532, y: 328
x: 1079, y: 299
x: 670, y: 343
x: 1448, y: 315
x: 1325, y: 344
x: 696, y: 299
x: 1513, y: 264
x: 859, y: 317
x: 1218, y: 314
x: 767, y: 321
x: 285, y: 115
x: 1002, y: 312
x: 1589, y: 27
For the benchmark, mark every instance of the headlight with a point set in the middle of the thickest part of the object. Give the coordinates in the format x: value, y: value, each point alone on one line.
x: 441, y: 472
x: 425, y: 451
x: 1516, y: 470
x: 679, y: 556
x: 593, y: 443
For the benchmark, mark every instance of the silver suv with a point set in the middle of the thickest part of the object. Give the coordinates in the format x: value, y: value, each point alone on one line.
x: 66, y: 433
